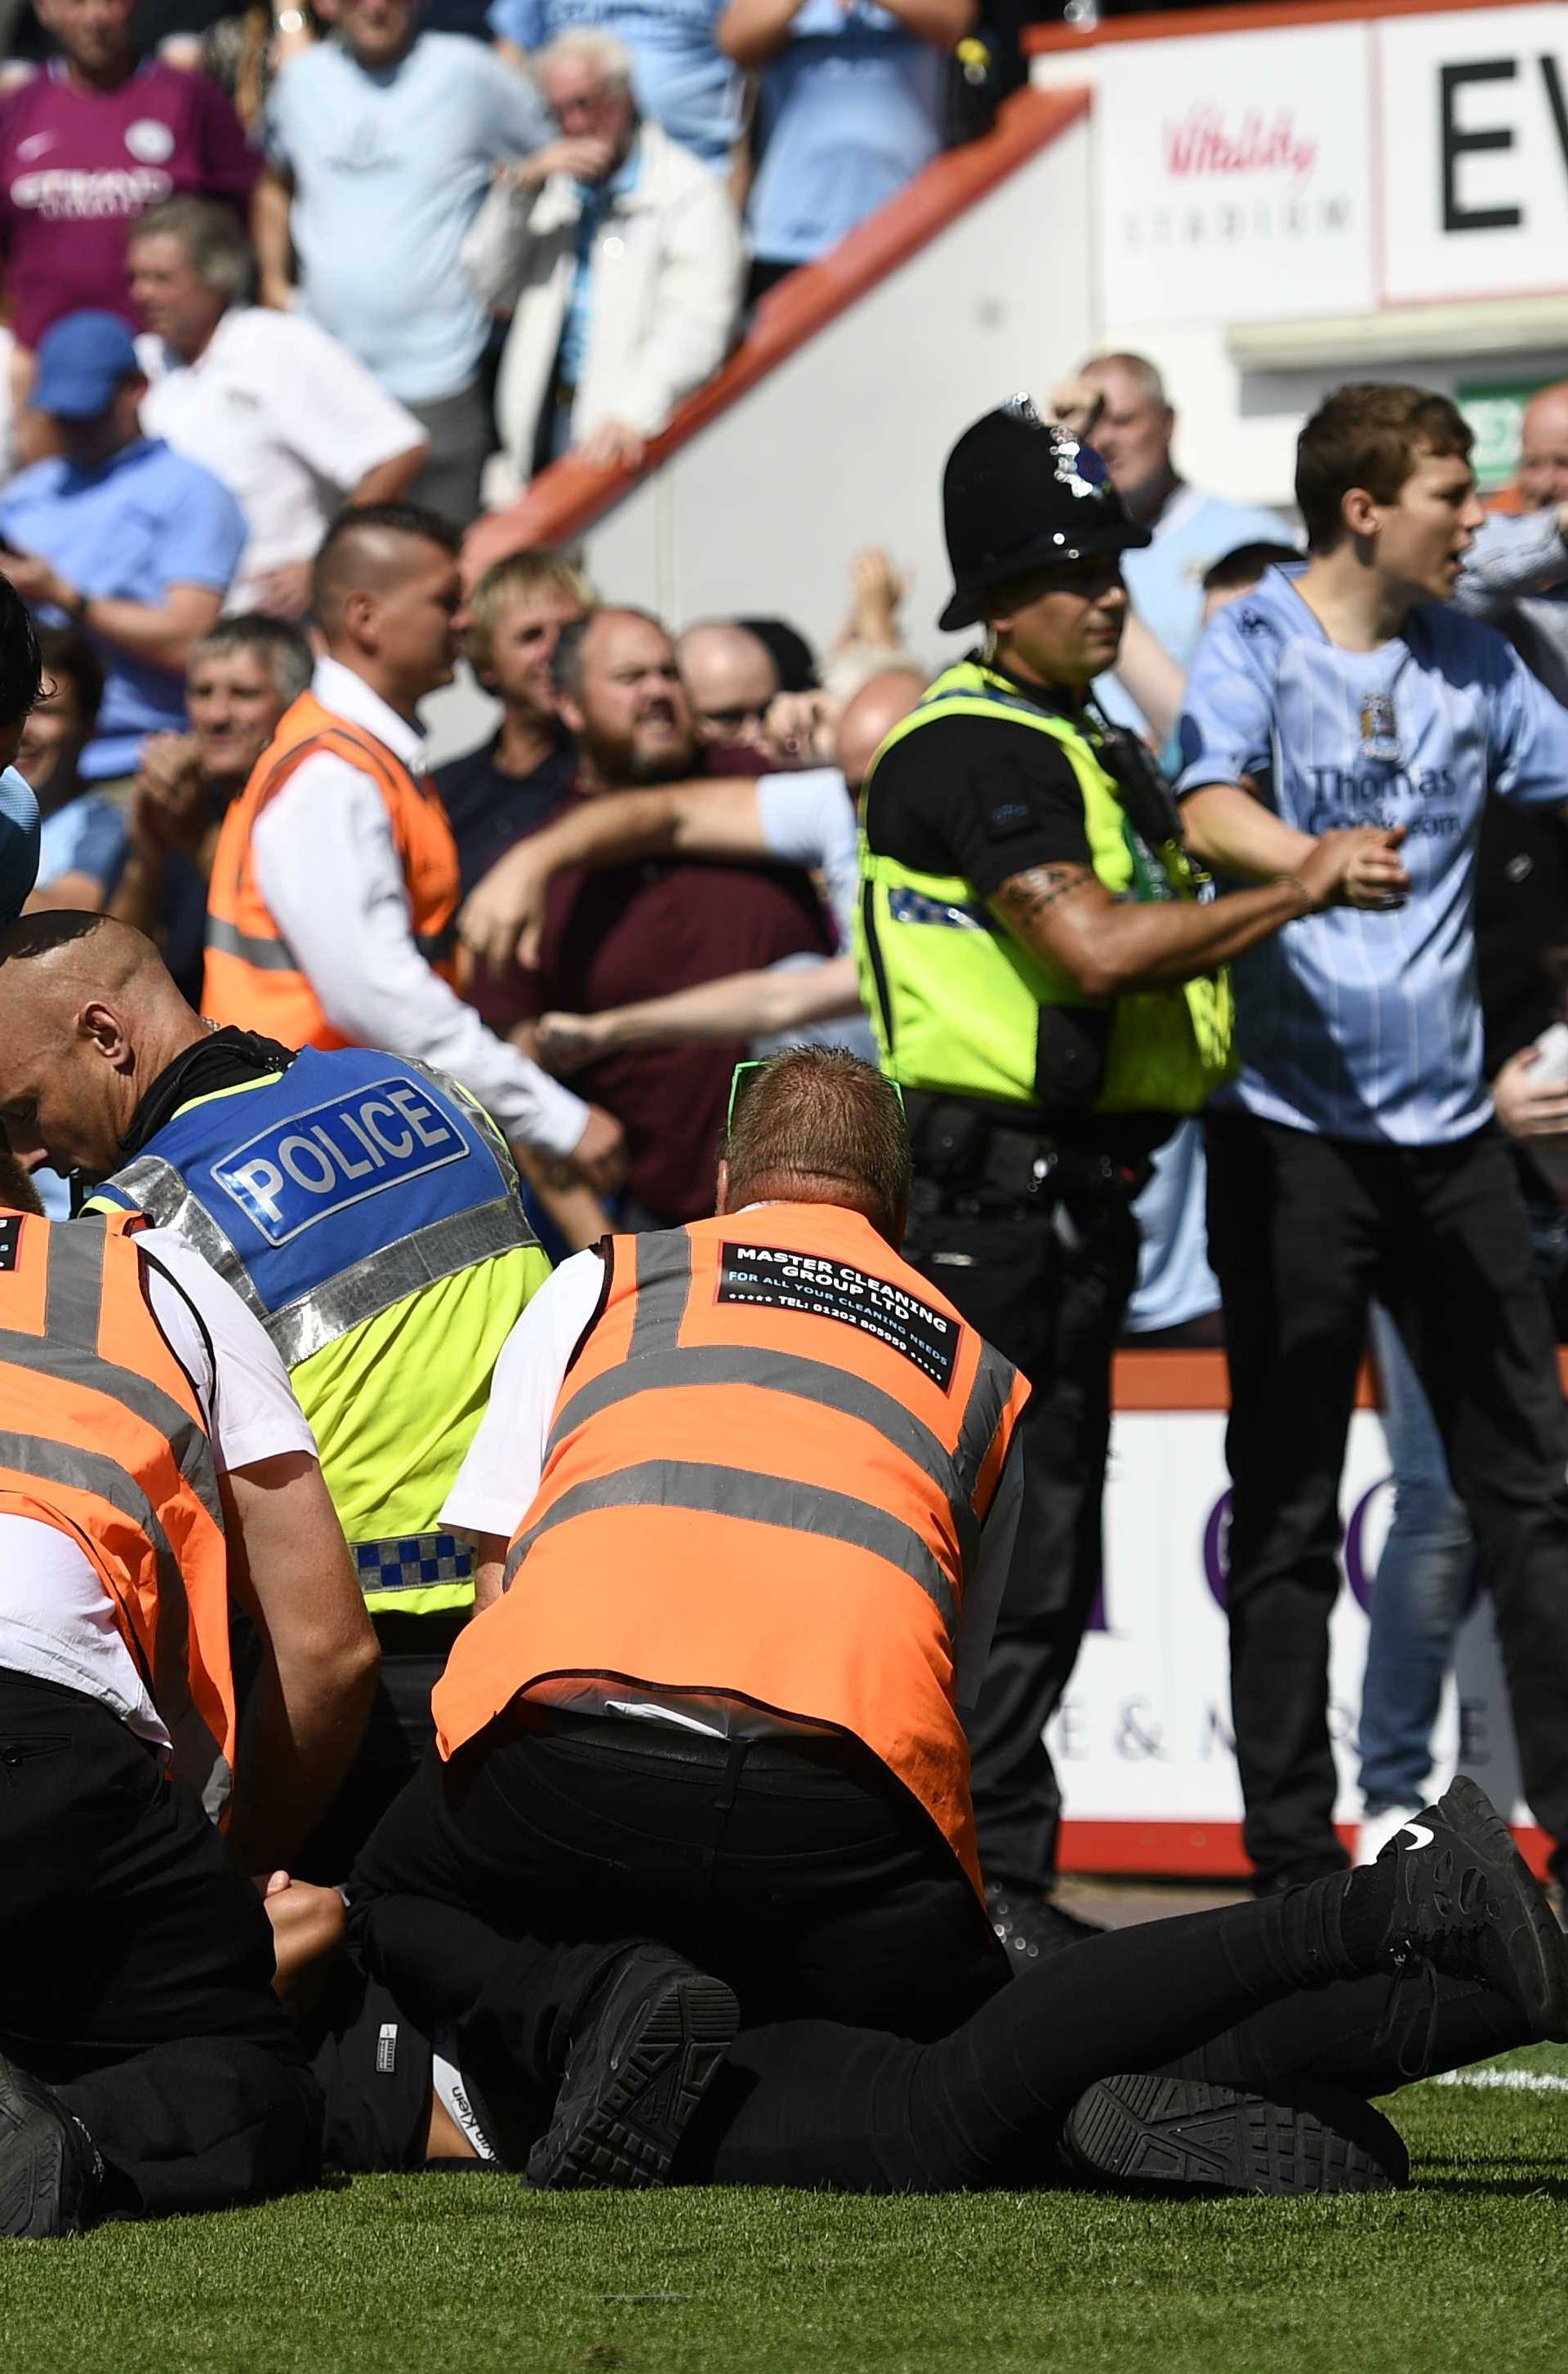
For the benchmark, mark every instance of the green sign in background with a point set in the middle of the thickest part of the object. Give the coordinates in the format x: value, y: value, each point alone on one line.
x: 1494, y: 410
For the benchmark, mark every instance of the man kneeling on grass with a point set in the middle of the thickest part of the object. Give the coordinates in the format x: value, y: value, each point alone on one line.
x: 1232, y: 2052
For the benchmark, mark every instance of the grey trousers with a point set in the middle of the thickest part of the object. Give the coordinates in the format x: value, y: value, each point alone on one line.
x: 461, y: 436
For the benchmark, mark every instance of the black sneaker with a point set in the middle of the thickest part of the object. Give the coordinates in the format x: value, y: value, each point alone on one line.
x: 1177, y: 2135
x: 1466, y: 1904
x: 50, y: 2172
x: 639, y: 2063
x: 1033, y: 1926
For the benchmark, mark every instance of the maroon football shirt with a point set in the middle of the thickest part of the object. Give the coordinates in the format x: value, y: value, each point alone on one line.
x: 79, y: 166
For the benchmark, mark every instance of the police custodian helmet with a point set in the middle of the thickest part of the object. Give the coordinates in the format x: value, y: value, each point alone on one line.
x: 1020, y: 495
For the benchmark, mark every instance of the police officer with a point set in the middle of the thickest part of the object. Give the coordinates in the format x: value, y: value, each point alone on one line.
x: 1044, y: 970
x: 366, y: 1209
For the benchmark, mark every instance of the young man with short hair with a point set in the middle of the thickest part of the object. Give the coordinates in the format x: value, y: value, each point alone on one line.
x: 510, y: 784
x: 1356, y: 1154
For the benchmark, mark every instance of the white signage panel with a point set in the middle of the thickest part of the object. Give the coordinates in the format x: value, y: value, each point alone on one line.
x: 1234, y: 176
x: 1144, y: 1733
x: 1473, y: 135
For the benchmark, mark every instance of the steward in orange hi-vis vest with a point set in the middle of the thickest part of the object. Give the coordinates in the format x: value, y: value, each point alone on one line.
x: 101, y: 1435
x: 767, y: 1469
x: 252, y: 977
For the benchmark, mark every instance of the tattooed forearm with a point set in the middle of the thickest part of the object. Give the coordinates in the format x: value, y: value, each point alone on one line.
x: 1025, y: 899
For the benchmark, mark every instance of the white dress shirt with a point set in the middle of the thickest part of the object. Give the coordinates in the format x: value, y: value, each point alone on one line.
x: 328, y: 868
x: 287, y: 419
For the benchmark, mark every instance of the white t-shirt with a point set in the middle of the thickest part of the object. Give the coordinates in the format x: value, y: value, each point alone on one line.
x: 287, y: 419
x: 506, y: 1458
x: 56, y: 1622
x: 809, y: 820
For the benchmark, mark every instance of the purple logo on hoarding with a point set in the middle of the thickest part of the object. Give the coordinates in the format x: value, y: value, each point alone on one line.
x: 1358, y: 1573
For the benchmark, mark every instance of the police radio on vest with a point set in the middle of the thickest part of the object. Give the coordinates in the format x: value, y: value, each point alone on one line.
x: 316, y: 1163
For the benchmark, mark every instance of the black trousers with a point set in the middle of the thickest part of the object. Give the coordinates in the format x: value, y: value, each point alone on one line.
x: 1046, y: 1280
x: 799, y: 1872
x: 1303, y: 1232
x: 1229, y: 1996
x: 136, y: 1968
x: 399, y: 1735
x: 1207, y: 1996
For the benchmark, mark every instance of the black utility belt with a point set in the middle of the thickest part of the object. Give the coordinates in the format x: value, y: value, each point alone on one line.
x: 962, y: 1146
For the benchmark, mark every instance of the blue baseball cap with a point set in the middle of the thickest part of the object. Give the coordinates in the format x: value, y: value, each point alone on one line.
x: 81, y: 361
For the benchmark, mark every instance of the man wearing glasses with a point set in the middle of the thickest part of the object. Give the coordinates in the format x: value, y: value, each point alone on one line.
x: 756, y: 1479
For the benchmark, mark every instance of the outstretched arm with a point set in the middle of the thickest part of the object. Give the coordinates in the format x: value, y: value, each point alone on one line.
x: 1229, y: 828
x: 745, y: 1005
x: 1107, y: 947
x: 503, y: 914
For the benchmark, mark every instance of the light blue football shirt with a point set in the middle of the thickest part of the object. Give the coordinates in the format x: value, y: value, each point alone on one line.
x: 389, y: 170
x: 128, y: 528
x: 1360, y: 1025
x: 848, y: 110
x: 19, y: 843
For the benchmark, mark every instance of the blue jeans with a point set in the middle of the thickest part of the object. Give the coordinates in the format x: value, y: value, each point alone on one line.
x: 1425, y: 1582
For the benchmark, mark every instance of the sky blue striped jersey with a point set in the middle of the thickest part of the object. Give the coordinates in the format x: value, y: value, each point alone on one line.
x: 1360, y: 1025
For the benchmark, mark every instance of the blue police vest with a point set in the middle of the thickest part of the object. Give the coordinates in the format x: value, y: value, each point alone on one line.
x: 332, y: 1192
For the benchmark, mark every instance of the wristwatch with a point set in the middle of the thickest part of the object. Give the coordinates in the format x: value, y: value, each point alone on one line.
x: 75, y: 609
x: 288, y: 20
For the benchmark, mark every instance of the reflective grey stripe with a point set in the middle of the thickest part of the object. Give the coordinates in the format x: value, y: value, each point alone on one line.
x: 277, y: 955
x: 156, y: 1188
x: 809, y: 1381
x: 664, y: 1282
x: 68, y: 1350
x: 993, y: 1381
x: 330, y: 1309
x: 268, y: 956
x: 745, y: 1498
x: 73, y: 1303
x: 198, y: 1756
x: 445, y: 1246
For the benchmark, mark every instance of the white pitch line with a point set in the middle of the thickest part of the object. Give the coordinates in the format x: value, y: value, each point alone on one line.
x: 1505, y: 2081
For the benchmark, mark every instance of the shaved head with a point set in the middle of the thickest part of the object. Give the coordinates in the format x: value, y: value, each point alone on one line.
x: 731, y: 677
x: 1543, y: 448
x: 868, y: 720
x: 89, y: 1018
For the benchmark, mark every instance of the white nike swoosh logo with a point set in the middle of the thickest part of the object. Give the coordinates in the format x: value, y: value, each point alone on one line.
x: 1418, y: 1835
x: 34, y: 145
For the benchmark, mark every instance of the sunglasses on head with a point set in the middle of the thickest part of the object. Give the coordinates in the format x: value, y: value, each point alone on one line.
x: 759, y: 1063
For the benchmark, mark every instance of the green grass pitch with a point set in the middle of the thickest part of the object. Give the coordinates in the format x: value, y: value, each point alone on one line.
x: 470, y: 2274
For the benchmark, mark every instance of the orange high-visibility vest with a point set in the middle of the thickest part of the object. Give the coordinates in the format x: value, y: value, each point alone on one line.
x: 767, y: 1472
x: 252, y: 977
x: 101, y: 1435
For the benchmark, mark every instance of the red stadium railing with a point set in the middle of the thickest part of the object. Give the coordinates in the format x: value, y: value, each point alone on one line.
x: 1053, y: 41
x: 568, y: 498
